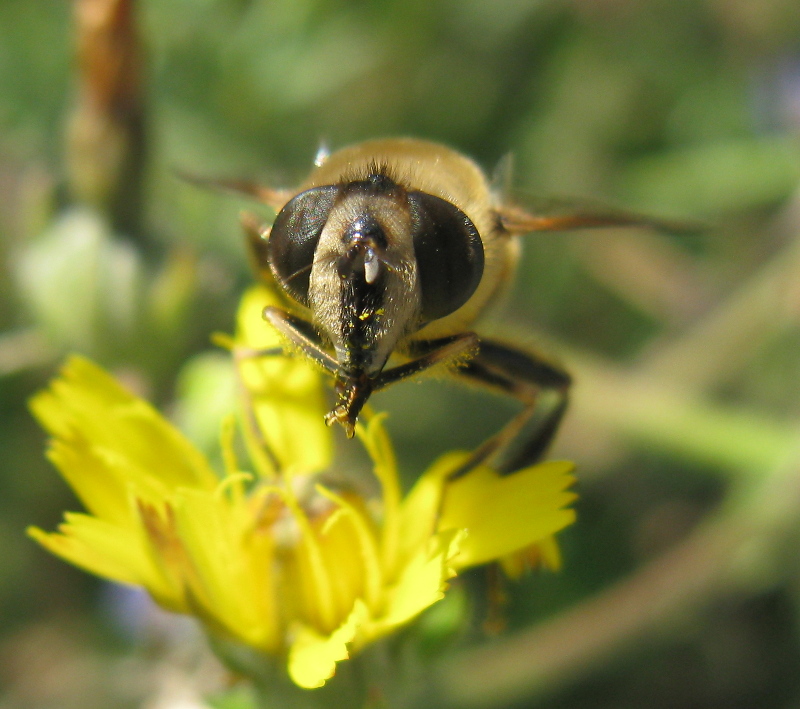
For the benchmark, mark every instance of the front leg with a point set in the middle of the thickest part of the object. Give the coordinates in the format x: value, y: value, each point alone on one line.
x: 352, y: 392
x: 354, y: 388
x: 302, y: 335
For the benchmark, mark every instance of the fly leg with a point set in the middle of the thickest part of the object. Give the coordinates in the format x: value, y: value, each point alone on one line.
x: 429, y: 353
x: 302, y: 335
x: 540, y: 385
x: 299, y: 333
x: 543, y: 389
x: 352, y: 393
x: 353, y: 390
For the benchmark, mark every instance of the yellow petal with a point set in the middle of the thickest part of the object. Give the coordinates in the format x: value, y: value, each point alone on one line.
x: 102, y: 549
x: 364, y: 546
x: 422, y: 583
x: 88, y: 403
x: 420, y: 509
x: 503, y: 514
x: 313, y: 657
x: 549, y: 554
x: 102, y: 488
x: 228, y: 573
x: 286, y: 393
x: 252, y: 329
x: 545, y: 554
x: 379, y: 446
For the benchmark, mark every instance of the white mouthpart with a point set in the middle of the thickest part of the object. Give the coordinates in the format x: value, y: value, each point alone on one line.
x: 372, y: 267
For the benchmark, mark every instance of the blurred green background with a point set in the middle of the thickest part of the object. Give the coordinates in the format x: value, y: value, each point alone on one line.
x: 681, y: 585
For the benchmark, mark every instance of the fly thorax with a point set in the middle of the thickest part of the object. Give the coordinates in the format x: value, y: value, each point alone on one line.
x: 363, y: 287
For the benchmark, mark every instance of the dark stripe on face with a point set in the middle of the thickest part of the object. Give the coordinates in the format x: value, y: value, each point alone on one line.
x: 362, y: 320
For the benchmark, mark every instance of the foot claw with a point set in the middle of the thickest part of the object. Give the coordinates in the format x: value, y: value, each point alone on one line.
x: 341, y: 416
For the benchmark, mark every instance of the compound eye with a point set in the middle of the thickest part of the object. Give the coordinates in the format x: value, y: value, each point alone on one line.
x: 449, y: 254
x: 294, y: 237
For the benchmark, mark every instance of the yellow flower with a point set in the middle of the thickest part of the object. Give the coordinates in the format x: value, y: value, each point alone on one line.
x: 273, y: 558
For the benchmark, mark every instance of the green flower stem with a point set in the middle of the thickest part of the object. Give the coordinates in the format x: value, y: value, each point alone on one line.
x: 648, y: 412
x: 348, y: 689
x: 721, y: 344
x: 353, y: 686
x: 659, y: 403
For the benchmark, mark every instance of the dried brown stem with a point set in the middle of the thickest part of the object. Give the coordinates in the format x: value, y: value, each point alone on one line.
x: 722, y: 342
x: 106, y: 132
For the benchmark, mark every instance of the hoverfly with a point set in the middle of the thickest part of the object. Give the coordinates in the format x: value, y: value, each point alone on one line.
x: 391, y: 250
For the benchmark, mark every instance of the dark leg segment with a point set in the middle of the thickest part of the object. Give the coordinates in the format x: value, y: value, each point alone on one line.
x: 354, y: 388
x: 429, y: 354
x: 541, y: 386
x: 301, y: 334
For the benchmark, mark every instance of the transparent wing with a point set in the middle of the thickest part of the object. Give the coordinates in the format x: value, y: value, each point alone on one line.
x: 275, y: 198
x: 566, y: 214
